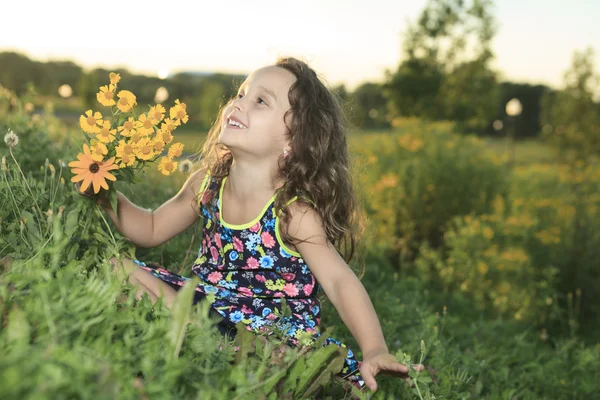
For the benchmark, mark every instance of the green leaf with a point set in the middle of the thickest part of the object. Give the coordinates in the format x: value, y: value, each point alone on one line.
x: 102, y: 238
x: 18, y: 329
x: 321, y: 366
x: 71, y: 222
x: 32, y: 229
x: 245, y: 341
x: 180, y: 314
x: 113, y: 199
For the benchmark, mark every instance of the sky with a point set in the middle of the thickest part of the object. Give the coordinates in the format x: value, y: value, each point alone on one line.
x: 348, y: 42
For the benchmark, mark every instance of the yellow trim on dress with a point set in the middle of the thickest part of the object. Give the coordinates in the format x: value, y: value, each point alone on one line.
x: 279, y: 239
x: 246, y: 225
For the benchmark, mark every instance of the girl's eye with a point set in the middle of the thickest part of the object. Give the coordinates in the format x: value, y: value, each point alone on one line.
x: 261, y: 101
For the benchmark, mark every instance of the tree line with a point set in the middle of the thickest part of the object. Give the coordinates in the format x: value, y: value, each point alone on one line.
x: 445, y: 74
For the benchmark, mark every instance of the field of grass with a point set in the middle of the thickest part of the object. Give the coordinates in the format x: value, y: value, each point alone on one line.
x: 487, y: 271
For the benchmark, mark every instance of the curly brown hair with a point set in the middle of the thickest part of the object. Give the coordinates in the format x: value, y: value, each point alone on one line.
x: 317, y: 169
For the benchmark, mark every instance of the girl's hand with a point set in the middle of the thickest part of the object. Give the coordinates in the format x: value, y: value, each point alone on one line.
x: 387, y: 363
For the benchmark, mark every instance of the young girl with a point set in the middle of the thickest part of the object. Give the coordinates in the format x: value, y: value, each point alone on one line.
x: 275, y: 194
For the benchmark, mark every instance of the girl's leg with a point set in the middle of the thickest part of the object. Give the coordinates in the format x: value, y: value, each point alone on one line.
x: 144, y: 281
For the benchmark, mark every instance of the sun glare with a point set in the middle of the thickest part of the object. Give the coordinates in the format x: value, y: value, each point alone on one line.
x: 163, y: 73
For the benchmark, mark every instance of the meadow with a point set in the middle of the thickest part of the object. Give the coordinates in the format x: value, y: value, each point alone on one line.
x: 484, y: 271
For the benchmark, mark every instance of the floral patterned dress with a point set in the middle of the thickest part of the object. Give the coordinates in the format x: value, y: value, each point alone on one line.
x: 248, y: 270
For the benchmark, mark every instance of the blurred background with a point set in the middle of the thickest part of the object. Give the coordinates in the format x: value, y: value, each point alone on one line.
x: 475, y: 139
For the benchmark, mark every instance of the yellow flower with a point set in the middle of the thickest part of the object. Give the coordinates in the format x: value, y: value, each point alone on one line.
x: 126, y: 101
x: 175, y: 150
x: 482, y: 267
x: 128, y: 127
x: 91, y: 172
x: 106, y: 95
x: 125, y: 160
x: 156, y: 114
x: 170, y: 125
x: 125, y: 148
x: 165, y: 136
x: 135, y: 137
x: 89, y: 122
x: 488, y: 232
x: 106, y: 135
x: 144, y: 125
x: 158, y: 145
x: 410, y: 142
x: 178, y: 112
x: 98, y: 150
x: 114, y: 78
x: 143, y: 149
x: 167, y: 165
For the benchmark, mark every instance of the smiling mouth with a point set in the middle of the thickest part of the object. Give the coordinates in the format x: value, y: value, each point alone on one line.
x: 235, y: 124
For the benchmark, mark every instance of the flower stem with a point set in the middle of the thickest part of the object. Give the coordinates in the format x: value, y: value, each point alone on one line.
x: 107, y: 225
x: 26, y: 183
x: 12, y: 195
x: 417, y: 378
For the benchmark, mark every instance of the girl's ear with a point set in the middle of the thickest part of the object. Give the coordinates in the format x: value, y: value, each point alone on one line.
x: 286, y: 150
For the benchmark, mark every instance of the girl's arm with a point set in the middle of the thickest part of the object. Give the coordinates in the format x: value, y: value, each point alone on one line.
x: 339, y: 282
x: 147, y: 228
x: 346, y: 293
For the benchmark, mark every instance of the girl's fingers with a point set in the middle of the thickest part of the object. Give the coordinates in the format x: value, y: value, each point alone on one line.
x: 396, y: 366
x: 368, y: 377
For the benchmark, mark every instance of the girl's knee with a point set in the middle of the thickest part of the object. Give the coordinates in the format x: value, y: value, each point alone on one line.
x: 125, y: 266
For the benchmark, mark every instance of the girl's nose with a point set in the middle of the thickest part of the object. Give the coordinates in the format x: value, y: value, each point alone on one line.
x: 237, y: 103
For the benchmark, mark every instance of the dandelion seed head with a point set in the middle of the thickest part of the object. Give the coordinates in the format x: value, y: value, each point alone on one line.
x: 11, y: 139
x: 185, y: 166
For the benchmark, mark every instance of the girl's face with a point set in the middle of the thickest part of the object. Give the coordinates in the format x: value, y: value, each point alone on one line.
x: 253, y: 124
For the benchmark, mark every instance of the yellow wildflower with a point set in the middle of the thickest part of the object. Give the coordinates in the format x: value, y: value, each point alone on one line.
x: 165, y: 136
x: 98, y: 150
x: 175, y: 150
x: 125, y: 148
x: 127, y: 100
x: 178, y: 112
x: 114, y: 78
x: 135, y: 137
x: 158, y: 145
x: 106, y: 135
x: 488, y: 232
x: 144, y: 125
x: 156, y: 114
x: 89, y: 122
x: 170, y: 125
x: 143, y: 149
x: 106, y: 95
x: 125, y: 160
x: 410, y: 143
x: 167, y: 165
x: 128, y: 127
x: 482, y: 267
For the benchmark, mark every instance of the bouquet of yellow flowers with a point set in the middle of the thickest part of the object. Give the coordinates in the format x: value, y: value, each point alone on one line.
x: 125, y: 143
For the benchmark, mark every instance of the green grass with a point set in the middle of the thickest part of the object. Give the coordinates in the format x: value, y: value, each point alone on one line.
x: 527, y: 151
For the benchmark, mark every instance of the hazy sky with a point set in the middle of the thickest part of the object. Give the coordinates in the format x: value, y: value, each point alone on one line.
x: 347, y: 41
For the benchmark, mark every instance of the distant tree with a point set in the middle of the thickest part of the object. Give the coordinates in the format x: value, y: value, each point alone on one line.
x: 571, y: 116
x: 446, y: 72
x: 87, y: 89
x: 370, y: 106
x: 528, y: 123
x: 17, y: 72
x: 212, y: 97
